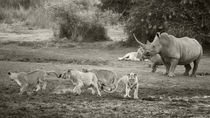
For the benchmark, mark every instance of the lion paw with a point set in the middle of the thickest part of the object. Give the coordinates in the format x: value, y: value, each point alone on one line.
x: 136, y: 97
x: 171, y: 74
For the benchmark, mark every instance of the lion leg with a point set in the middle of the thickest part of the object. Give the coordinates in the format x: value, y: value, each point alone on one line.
x: 42, y: 83
x: 136, y: 59
x: 92, y: 91
x: 44, y: 86
x: 77, y: 89
x: 123, y: 58
x: 127, y: 91
x: 136, y: 92
x: 187, y: 69
x: 23, y: 89
x: 120, y: 58
x: 96, y: 86
x: 174, y: 63
x: 38, y: 87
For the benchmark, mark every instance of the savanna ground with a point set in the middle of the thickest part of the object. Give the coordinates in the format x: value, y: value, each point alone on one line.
x: 159, y: 96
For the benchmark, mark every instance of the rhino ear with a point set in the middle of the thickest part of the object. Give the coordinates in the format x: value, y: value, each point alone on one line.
x: 158, y: 34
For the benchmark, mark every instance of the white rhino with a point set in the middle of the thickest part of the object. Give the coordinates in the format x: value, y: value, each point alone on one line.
x: 175, y: 51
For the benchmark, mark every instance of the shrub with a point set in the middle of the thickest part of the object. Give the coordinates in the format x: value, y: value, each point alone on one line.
x: 108, y: 17
x: 17, y: 3
x: 175, y: 17
x: 38, y: 17
x: 32, y: 16
x: 77, y: 27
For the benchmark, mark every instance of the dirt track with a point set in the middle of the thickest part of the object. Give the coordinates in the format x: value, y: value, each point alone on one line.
x: 159, y: 96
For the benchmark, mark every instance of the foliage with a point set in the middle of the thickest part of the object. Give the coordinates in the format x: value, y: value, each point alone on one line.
x: 17, y: 3
x: 120, y: 6
x: 28, y: 12
x: 178, y: 17
x: 77, y: 26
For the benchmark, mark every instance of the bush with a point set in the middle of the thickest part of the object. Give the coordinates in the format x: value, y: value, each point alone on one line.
x: 33, y: 15
x: 108, y: 17
x: 17, y: 3
x: 77, y: 27
x: 178, y: 18
x: 119, y: 6
x: 38, y: 17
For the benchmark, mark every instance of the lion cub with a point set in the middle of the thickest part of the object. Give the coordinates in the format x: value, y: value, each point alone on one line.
x: 131, y: 82
x: 25, y: 79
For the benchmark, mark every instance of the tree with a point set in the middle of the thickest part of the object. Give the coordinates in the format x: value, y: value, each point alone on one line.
x: 177, y: 17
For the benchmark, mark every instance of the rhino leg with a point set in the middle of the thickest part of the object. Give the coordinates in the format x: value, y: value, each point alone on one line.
x: 167, y: 65
x: 174, y: 63
x: 187, y: 69
x: 195, y: 67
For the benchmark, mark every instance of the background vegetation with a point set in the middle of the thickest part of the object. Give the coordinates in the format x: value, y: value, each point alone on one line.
x: 178, y: 17
x: 82, y: 20
x: 76, y: 20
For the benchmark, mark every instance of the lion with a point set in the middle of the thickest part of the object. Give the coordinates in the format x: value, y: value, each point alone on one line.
x: 81, y: 80
x: 25, y: 79
x: 133, y: 56
x: 131, y: 82
x: 106, y: 78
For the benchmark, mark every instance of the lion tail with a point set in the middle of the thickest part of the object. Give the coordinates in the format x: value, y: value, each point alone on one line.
x: 53, y: 72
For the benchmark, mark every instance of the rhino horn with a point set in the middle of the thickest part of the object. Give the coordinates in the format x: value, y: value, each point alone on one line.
x: 148, y: 42
x: 141, y: 44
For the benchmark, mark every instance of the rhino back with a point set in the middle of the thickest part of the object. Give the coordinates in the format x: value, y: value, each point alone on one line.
x: 185, y: 49
x: 190, y: 50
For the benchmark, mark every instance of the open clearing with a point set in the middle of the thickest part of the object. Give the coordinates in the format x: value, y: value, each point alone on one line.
x: 159, y: 96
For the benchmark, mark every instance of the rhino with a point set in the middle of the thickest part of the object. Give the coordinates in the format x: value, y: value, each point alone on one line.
x: 175, y: 51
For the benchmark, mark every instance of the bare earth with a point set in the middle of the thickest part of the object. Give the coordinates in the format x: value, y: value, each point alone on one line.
x: 159, y: 96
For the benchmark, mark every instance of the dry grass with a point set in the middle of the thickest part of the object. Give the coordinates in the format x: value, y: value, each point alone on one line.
x: 36, y: 17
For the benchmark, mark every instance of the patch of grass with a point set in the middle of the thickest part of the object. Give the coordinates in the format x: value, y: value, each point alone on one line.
x: 116, y: 45
x: 33, y: 44
x: 28, y: 57
x: 65, y: 61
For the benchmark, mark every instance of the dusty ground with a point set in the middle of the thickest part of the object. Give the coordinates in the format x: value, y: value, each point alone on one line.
x: 159, y: 96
